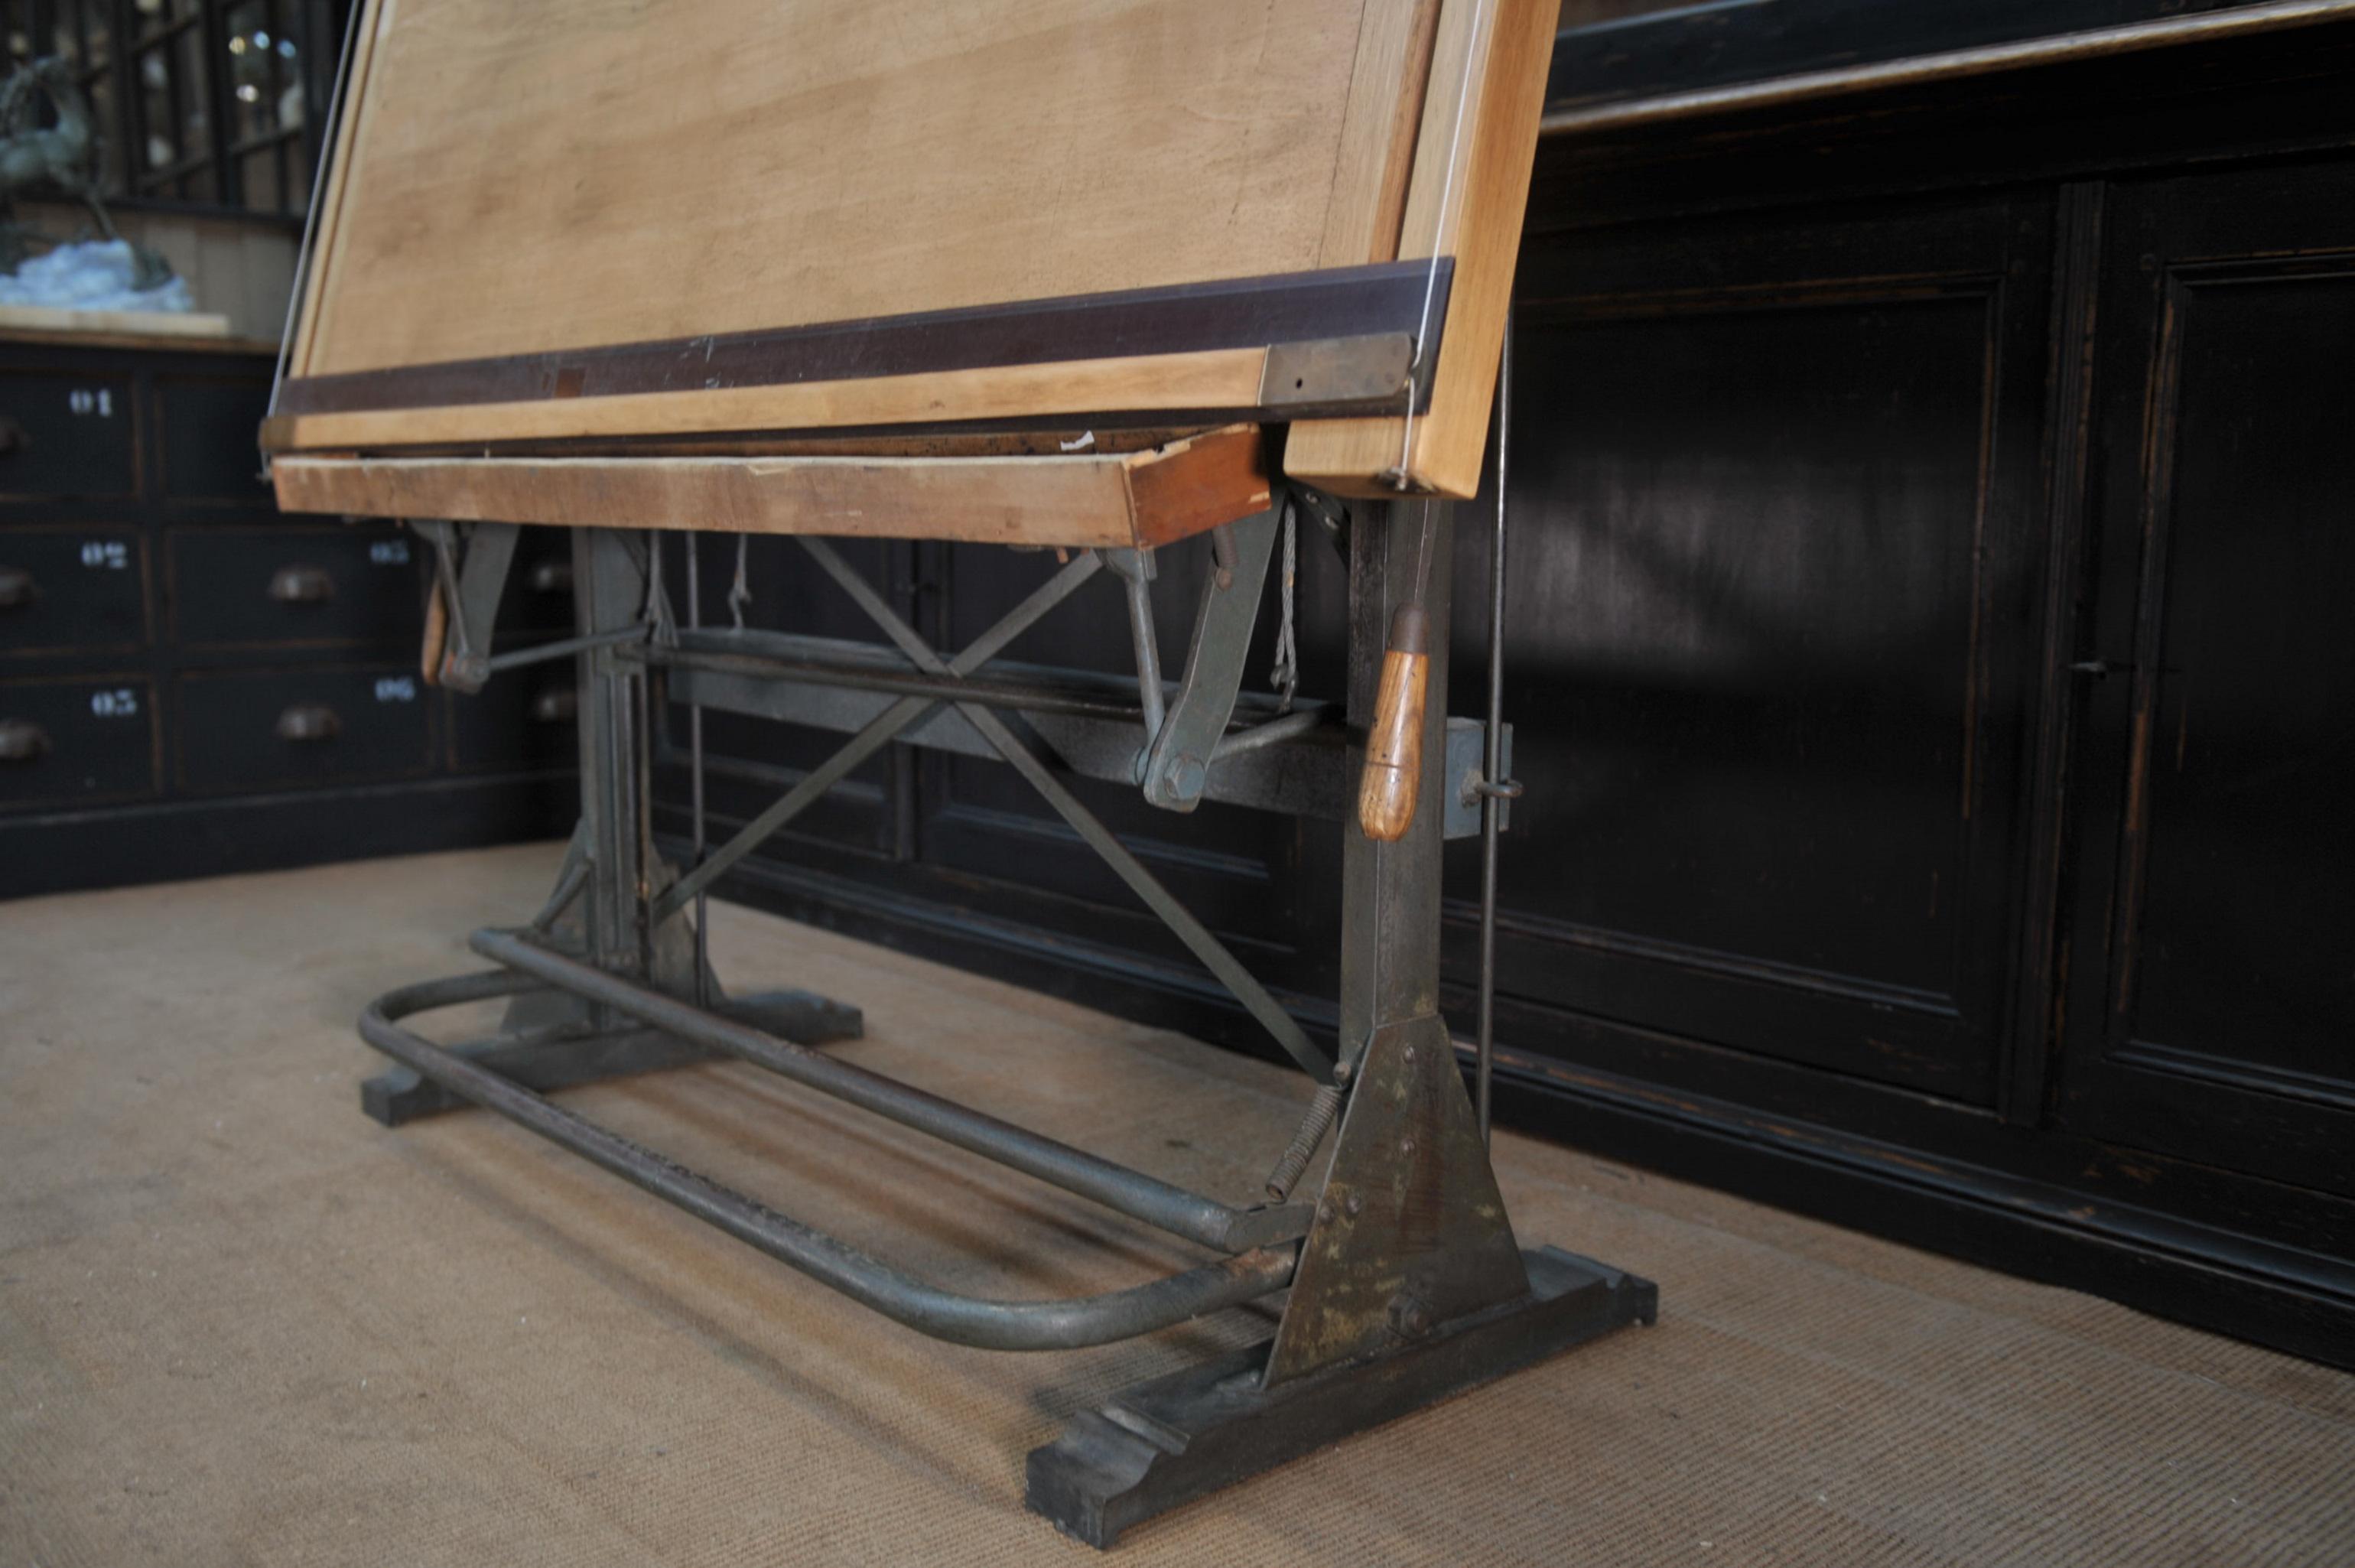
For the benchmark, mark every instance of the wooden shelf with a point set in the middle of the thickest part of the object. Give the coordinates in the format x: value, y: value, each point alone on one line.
x: 1075, y: 500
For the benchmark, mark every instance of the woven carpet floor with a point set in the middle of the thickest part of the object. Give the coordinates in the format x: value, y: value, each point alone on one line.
x: 241, y: 1324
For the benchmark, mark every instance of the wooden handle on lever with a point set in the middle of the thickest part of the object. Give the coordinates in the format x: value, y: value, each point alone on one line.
x: 1394, y: 775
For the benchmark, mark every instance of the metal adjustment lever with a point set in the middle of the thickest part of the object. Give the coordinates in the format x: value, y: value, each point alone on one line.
x: 1178, y: 763
x: 1135, y: 570
x: 469, y: 597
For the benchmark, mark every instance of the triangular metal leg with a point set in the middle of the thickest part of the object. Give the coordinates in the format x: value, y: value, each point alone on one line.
x: 1410, y: 1231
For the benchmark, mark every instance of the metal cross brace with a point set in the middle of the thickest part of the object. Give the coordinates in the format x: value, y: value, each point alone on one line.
x: 904, y: 714
x: 1023, y: 754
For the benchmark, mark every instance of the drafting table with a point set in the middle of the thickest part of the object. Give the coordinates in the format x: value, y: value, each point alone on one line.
x: 1099, y: 278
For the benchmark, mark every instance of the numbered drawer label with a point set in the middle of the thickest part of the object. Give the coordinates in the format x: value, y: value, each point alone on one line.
x: 68, y: 740
x: 338, y: 586
x: 68, y: 436
x: 63, y: 589
x: 278, y: 728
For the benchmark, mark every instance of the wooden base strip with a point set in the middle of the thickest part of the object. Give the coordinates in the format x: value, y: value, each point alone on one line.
x: 1080, y: 501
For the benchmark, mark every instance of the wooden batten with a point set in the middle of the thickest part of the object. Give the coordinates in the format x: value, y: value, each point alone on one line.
x: 1466, y: 200
x: 1078, y: 500
x: 1212, y: 378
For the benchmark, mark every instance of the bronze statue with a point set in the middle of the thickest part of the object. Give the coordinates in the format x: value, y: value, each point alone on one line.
x: 62, y: 155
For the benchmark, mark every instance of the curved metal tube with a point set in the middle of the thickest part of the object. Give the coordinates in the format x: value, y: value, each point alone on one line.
x: 1132, y: 1192
x: 961, y: 1319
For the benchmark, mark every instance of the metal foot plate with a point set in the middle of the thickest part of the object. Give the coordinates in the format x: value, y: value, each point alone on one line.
x: 1169, y: 1440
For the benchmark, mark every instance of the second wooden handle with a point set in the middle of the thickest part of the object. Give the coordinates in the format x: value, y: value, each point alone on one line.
x: 1394, y: 775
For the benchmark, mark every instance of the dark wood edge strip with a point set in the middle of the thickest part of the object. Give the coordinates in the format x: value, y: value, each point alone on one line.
x: 1240, y: 313
x: 1699, y: 48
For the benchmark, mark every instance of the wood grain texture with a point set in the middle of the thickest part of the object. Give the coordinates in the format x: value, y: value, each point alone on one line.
x: 367, y: 24
x: 1214, y: 378
x: 1378, y: 133
x: 537, y: 174
x: 1392, y: 779
x: 172, y: 326
x: 1078, y: 501
x: 1471, y: 183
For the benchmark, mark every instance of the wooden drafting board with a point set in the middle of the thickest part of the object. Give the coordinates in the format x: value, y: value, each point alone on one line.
x: 564, y: 240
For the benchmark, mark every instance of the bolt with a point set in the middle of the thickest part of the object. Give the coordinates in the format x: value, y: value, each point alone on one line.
x: 1323, y: 1213
x: 1188, y: 776
x: 1354, y: 1202
x: 1407, y: 1054
x: 1406, y: 1145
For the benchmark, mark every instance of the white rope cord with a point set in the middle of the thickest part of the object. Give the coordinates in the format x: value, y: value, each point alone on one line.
x: 740, y: 592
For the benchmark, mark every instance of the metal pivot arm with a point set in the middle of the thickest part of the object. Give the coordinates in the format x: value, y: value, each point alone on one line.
x: 468, y: 596
x: 1135, y: 570
x: 1178, y: 764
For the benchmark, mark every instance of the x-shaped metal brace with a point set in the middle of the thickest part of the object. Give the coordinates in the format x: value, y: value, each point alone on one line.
x: 1028, y: 755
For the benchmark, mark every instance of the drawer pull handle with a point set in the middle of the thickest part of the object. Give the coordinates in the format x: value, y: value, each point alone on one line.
x: 301, y: 585
x: 16, y: 589
x: 557, y: 705
x: 12, y: 436
x: 309, y: 721
x: 22, y: 740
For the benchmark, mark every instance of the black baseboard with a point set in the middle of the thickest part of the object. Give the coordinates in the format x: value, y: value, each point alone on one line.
x: 57, y: 852
x: 2211, y: 1279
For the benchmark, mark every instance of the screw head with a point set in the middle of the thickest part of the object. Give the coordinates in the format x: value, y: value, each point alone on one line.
x: 1406, y: 1145
x: 1355, y: 1203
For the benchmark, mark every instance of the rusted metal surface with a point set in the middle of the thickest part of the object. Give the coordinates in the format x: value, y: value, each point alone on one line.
x: 1162, y: 1443
x: 1410, y: 1231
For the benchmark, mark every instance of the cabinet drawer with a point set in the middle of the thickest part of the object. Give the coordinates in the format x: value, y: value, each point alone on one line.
x: 522, y: 718
x: 67, y: 590
x: 65, y: 434
x: 338, y: 585
x: 277, y: 728
x: 211, y: 429
x: 539, y: 596
x: 73, y: 740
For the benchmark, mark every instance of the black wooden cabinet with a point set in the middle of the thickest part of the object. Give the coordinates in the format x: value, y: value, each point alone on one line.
x: 190, y: 684
x: 1928, y: 648
x: 2210, y: 1013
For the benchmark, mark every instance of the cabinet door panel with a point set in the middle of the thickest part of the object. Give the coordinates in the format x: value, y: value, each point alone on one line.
x: 1774, y: 538
x: 2215, y: 993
